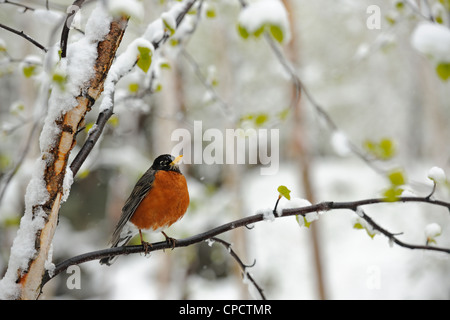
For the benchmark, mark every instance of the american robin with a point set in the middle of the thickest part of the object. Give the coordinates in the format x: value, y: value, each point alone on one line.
x: 159, y: 199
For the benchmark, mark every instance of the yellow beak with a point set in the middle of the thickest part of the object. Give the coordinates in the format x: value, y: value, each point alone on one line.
x: 177, y: 159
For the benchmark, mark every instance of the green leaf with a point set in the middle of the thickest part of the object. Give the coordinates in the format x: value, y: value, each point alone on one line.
x: 445, y: 3
x: 83, y: 173
x: 211, y: 13
x: 261, y: 119
x: 396, y: 178
x: 133, y: 87
x: 5, y: 161
x: 243, y: 32
x: 174, y: 42
x: 305, y: 222
x: 28, y: 70
x: 60, y: 79
x: 358, y: 225
x: 399, y: 5
x: 370, y: 234
x: 113, y: 121
x: 387, y: 148
x: 443, y: 71
x: 285, y: 192
x: 392, y: 194
x: 283, y: 114
x: 276, y: 33
x: 11, y: 221
x: 383, y: 150
x: 144, y: 59
x: 88, y: 127
x: 168, y: 27
x: 165, y: 65
x: 259, y: 31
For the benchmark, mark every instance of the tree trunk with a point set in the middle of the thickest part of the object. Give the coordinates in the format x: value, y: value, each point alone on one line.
x: 301, y: 154
x: 25, y: 271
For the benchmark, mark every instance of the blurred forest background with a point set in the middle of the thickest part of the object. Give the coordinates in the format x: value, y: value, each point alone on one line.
x: 371, y: 82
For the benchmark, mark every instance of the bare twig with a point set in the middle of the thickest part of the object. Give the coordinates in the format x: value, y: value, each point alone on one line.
x: 246, y: 274
x: 23, y: 35
x: 6, y: 179
x: 214, y: 95
x: 66, y: 26
x: 104, y: 116
x: 25, y: 7
x: 320, y: 207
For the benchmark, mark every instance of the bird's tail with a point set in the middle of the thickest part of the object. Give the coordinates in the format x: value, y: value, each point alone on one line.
x: 119, y: 241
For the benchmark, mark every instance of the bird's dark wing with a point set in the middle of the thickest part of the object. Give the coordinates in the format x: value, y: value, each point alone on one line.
x: 139, y: 192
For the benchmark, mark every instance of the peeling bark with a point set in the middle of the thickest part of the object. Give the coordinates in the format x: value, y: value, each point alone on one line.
x: 57, y: 159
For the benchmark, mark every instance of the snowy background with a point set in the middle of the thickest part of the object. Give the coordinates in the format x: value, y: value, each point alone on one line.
x: 373, y: 83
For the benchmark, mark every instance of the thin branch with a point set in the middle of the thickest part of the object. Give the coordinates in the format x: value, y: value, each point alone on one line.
x: 66, y: 26
x: 207, y: 84
x: 25, y: 7
x: 6, y: 179
x: 320, y: 207
x: 391, y: 236
x: 23, y: 35
x: 94, y: 135
x: 244, y: 267
x: 299, y: 86
x: 432, y: 191
x: 103, y: 117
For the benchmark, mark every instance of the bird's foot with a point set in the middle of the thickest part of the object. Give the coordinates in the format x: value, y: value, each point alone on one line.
x: 170, y: 241
x: 147, y: 247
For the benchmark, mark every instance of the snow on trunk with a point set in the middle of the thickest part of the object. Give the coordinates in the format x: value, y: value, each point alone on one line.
x: 69, y: 102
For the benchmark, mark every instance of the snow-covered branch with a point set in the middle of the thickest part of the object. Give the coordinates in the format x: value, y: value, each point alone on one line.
x: 155, y: 35
x: 267, y: 215
x: 84, y: 72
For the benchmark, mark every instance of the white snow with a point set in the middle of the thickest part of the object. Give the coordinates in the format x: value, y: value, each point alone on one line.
x: 33, y: 59
x: 267, y: 214
x: 340, y: 143
x: 67, y: 184
x: 432, y: 40
x: 359, y: 211
x: 132, y: 8
x: 81, y: 55
x: 265, y: 12
x: 437, y: 174
x: 169, y: 20
x: 122, y: 65
x: 48, y: 16
x: 155, y: 31
x: 33, y: 220
x: 312, y: 216
x: 79, y: 67
x: 49, y: 265
x: 432, y: 230
x: 291, y: 204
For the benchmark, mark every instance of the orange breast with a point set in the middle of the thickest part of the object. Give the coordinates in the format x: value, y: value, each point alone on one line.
x: 166, y: 202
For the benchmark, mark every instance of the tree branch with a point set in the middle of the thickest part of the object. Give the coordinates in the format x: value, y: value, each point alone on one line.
x: 245, y: 273
x: 23, y: 35
x: 66, y: 26
x: 103, y: 117
x: 211, y: 234
x: 25, y: 7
